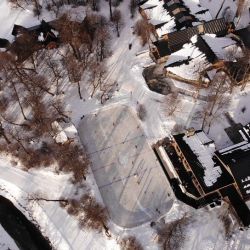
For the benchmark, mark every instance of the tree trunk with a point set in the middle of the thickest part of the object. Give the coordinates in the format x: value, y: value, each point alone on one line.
x: 209, y: 126
x: 75, y: 52
x: 93, y: 92
x: 46, y: 90
x: 110, y: 11
x: 2, y: 133
x: 13, y: 123
x: 19, y: 102
x: 20, y: 143
x: 215, y: 97
x: 79, y: 90
x: 245, y: 78
x: 204, y: 120
x: 106, y: 230
x: 60, y: 112
x: 6, y: 138
x: 43, y: 199
x: 117, y: 30
x: 102, y: 51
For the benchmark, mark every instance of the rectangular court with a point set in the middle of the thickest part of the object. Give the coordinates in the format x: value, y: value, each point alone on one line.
x: 127, y: 172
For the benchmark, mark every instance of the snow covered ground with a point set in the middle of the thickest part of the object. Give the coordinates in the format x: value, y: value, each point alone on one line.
x: 125, y: 66
x: 6, y: 242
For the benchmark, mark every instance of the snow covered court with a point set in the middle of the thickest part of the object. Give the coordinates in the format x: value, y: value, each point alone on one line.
x: 132, y: 184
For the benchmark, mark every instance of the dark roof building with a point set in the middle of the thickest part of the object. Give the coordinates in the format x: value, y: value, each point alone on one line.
x: 178, y: 38
x: 174, y: 41
x: 196, y: 150
x: 200, y: 175
x: 180, y: 12
x: 162, y: 48
x: 237, y: 159
x: 29, y: 40
x: 216, y: 26
x: 18, y: 29
x: 43, y: 32
x: 205, y: 49
x: 46, y: 32
x: 244, y: 34
x: 238, y: 204
x: 4, y: 43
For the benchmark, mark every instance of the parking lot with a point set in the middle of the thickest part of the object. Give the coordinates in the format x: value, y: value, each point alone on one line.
x: 127, y: 172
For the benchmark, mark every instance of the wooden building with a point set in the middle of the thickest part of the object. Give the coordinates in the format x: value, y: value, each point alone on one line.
x: 29, y: 40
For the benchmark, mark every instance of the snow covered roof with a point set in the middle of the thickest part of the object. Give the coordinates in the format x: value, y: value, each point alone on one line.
x: 201, y: 13
x: 166, y: 28
x: 159, y: 15
x: 199, y: 151
x: 204, y: 152
x: 198, y: 54
x: 218, y: 44
x: 149, y: 4
x: 187, y: 62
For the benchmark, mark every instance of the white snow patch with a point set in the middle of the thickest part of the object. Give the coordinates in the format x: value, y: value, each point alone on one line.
x: 6, y: 242
x: 204, y: 153
x: 190, y: 70
x: 41, y: 37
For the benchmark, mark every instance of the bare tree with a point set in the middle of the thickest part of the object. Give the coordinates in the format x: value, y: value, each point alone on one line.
x: 3, y: 133
x: 65, y: 153
x: 132, y: 7
x: 94, y: 4
x: 95, y: 215
x: 240, y: 7
x: 98, y: 73
x: 117, y: 21
x: 143, y: 29
x: 17, y: 3
x: 24, y: 46
x: 172, y: 235
x: 102, y: 38
x: 107, y: 89
x: 171, y: 104
x: 55, y: 67
x: 23, y: 3
x: 17, y: 97
x: 110, y: 10
x: 72, y: 33
x: 75, y: 71
x: 130, y: 243
x: 244, y: 64
x: 218, y: 99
